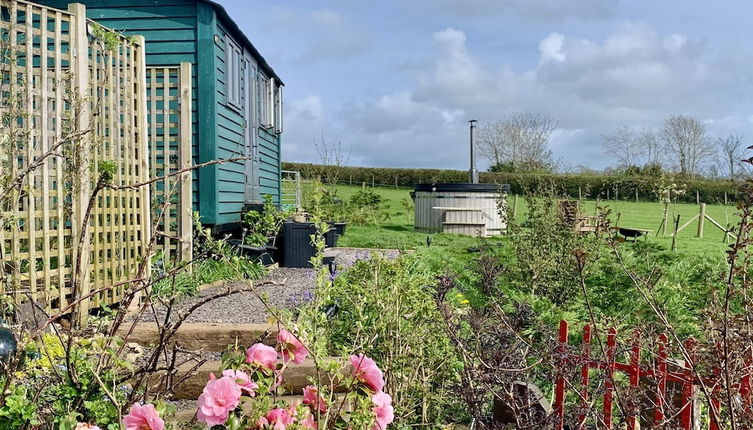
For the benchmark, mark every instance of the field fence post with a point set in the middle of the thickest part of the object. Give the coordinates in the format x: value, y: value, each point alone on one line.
x: 674, y: 236
x: 701, y: 220
x: 373, y: 180
x: 514, y: 206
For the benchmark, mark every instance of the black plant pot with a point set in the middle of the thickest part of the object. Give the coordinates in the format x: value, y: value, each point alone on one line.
x: 297, y: 248
x: 261, y: 254
x: 7, y: 344
x: 340, y: 228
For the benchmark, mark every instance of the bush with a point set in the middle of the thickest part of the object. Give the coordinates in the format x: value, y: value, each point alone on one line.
x: 619, y: 185
x: 386, y: 308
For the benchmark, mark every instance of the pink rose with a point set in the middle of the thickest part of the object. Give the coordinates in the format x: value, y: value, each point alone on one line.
x: 366, y: 371
x: 292, y: 348
x: 242, y: 379
x: 278, y: 418
x: 262, y: 355
x: 219, y: 398
x: 86, y: 426
x: 312, y: 398
x: 383, y: 411
x: 143, y: 417
x: 309, y: 422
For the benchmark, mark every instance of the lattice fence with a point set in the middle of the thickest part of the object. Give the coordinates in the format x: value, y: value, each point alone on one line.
x: 169, y: 92
x: 72, y: 101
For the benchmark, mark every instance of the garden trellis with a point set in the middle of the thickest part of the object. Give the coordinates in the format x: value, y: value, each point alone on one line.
x: 646, y: 381
x: 169, y: 91
x: 73, y: 107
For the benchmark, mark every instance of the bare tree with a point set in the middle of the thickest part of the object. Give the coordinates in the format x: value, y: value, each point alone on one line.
x: 685, y: 137
x: 623, y: 145
x: 332, y: 157
x: 650, y: 146
x: 520, y: 140
x: 732, y: 150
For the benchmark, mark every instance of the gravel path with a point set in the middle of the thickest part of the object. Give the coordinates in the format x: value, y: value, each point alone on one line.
x: 291, y: 287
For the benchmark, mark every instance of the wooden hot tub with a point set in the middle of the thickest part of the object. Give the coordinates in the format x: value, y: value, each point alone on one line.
x: 468, y: 209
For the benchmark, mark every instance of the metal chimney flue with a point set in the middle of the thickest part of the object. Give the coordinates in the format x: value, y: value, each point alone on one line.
x: 473, y: 172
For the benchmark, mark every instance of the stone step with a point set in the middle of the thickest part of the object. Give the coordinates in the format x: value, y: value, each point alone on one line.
x: 296, y: 378
x: 209, y: 337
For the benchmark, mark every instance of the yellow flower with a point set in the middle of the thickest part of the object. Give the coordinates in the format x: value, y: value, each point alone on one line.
x: 464, y: 302
x: 460, y: 295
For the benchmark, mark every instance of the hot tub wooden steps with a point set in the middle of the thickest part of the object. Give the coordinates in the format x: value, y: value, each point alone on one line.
x: 296, y: 378
x: 467, y: 229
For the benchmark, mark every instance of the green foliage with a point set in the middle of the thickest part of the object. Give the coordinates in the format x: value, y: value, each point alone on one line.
x: 621, y: 184
x: 261, y: 225
x: 55, y: 389
x: 363, y: 208
x: 387, y: 311
x: 215, y: 261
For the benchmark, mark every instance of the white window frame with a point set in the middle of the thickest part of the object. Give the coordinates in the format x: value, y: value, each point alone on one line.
x: 278, y: 109
x: 266, y: 104
x: 233, y: 74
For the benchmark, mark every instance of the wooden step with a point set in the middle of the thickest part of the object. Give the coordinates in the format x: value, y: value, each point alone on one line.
x: 467, y: 229
x: 210, y: 337
x: 296, y: 378
x: 464, y: 217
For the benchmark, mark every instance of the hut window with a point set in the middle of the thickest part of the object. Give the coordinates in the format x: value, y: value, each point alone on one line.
x: 266, y: 103
x: 270, y: 104
x: 233, y: 73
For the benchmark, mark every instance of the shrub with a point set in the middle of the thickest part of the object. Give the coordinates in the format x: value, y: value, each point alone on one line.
x: 621, y: 184
x: 386, y: 308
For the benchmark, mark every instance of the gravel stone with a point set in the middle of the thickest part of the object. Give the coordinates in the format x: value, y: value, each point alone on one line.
x: 291, y: 287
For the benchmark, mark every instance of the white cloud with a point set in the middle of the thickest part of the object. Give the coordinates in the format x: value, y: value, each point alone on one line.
x: 633, y: 76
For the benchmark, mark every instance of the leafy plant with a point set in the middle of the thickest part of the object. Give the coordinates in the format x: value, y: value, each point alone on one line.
x: 261, y: 225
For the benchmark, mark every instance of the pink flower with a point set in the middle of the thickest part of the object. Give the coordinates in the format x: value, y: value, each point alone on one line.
x: 309, y: 422
x: 311, y: 397
x: 278, y: 418
x: 143, y: 417
x: 86, y: 426
x: 383, y: 411
x: 244, y: 382
x: 366, y: 371
x: 262, y: 355
x: 219, y: 398
x: 292, y: 348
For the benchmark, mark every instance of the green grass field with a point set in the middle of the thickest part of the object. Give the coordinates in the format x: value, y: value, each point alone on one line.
x: 397, y: 231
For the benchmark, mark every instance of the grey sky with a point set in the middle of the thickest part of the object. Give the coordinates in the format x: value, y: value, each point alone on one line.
x: 396, y: 81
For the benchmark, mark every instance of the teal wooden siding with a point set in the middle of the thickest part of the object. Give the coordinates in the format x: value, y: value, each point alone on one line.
x: 230, y: 139
x: 170, y: 31
x: 184, y: 31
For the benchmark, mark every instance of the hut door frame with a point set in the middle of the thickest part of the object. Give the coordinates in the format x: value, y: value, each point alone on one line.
x: 251, y: 130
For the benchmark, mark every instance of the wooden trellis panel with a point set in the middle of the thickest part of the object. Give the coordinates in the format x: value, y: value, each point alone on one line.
x: 170, y: 130
x: 72, y: 99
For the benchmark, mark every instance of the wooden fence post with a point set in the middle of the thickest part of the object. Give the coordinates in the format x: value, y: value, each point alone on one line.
x: 609, y: 376
x: 186, y: 195
x: 584, y: 375
x: 82, y: 149
x: 674, y: 236
x: 701, y: 219
x: 661, y: 380
x: 559, y: 388
x: 514, y: 206
x: 372, y: 180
